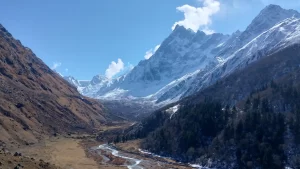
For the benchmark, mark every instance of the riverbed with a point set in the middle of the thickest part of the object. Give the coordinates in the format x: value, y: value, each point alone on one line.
x: 134, y: 161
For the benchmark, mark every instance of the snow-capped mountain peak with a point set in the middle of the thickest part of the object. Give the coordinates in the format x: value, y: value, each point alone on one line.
x: 267, y: 18
x: 98, y: 79
x: 189, y: 61
x: 72, y: 80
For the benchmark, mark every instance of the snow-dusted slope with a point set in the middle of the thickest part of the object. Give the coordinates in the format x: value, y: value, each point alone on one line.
x: 278, y: 37
x: 265, y: 20
x: 187, y: 62
x: 79, y: 84
x: 97, y: 83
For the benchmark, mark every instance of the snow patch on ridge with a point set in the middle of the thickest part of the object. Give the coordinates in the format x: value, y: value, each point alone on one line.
x: 173, y: 110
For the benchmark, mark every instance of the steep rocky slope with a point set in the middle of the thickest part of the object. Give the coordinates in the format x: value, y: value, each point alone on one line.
x: 35, y: 101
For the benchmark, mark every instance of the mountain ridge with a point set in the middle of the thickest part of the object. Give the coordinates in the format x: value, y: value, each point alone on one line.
x: 188, y: 61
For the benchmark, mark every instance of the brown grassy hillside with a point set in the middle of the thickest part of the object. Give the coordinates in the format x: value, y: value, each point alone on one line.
x: 35, y: 101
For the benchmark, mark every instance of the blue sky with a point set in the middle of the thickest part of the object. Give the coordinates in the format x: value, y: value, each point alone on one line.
x: 83, y: 38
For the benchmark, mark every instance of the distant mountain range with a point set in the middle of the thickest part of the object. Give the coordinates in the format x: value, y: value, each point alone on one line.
x: 188, y: 62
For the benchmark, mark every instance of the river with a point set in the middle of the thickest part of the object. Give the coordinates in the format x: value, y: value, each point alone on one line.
x: 132, y: 162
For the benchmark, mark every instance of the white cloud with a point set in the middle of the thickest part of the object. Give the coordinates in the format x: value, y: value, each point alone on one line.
x: 60, y: 74
x: 55, y: 65
x: 156, y: 48
x: 114, y: 68
x: 67, y: 70
x: 150, y: 52
x: 198, y: 18
x: 208, y: 31
x: 127, y: 68
x: 130, y: 66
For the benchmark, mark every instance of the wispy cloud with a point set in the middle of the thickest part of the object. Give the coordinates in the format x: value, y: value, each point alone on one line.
x: 150, y: 52
x: 55, y: 65
x: 129, y: 66
x: 114, y: 68
x: 198, y: 18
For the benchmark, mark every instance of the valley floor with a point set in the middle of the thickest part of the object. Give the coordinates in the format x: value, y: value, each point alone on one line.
x: 82, y: 152
x: 63, y: 152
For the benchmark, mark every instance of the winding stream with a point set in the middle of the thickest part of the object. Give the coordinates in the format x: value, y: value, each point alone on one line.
x: 134, y: 163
